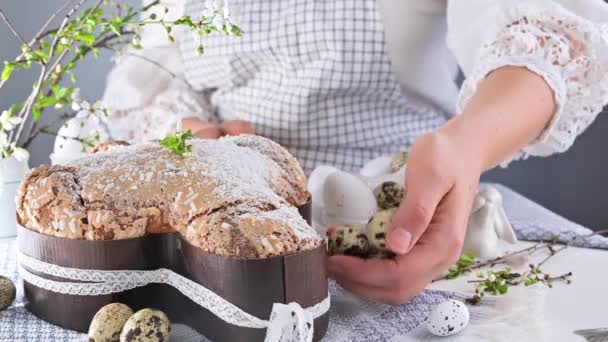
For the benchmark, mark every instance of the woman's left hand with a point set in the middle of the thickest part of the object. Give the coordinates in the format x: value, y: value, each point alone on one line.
x: 428, y: 229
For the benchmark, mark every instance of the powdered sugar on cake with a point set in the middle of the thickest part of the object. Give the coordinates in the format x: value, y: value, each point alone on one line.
x: 129, y: 191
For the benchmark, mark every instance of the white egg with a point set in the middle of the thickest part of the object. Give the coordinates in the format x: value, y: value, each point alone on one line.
x: 376, y: 167
x: 448, y: 318
x: 316, y: 181
x: 347, y: 199
x: 66, y: 149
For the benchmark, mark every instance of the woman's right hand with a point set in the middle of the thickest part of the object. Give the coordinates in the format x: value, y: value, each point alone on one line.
x: 205, y: 130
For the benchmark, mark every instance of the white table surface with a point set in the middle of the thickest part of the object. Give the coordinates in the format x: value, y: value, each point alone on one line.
x: 580, y: 305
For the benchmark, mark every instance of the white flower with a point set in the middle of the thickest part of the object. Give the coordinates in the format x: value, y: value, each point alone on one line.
x: 87, y: 109
x: 20, y: 154
x: 219, y: 17
x: 95, y: 113
x: 76, y: 99
x: 211, y: 9
x: 227, y: 19
x: 3, y: 140
x: 136, y: 40
x: 65, y: 41
x: 9, y: 122
x: 492, y: 277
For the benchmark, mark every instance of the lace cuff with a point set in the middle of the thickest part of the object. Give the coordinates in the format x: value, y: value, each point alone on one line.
x: 569, y: 52
x: 160, y: 118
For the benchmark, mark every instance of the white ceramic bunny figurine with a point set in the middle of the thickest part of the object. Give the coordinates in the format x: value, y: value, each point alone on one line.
x: 488, y: 225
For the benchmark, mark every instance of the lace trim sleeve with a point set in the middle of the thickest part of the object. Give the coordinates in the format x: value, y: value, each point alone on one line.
x: 569, y: 52
x: 160, y: 118
x: 147, y: 93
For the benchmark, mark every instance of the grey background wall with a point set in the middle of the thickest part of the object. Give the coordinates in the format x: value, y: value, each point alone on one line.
x: 573, y: 184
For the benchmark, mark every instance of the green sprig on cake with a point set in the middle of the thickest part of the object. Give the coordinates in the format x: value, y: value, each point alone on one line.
x: 179, y: 143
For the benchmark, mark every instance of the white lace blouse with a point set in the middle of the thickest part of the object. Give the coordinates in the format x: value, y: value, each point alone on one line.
x: 564, y: 41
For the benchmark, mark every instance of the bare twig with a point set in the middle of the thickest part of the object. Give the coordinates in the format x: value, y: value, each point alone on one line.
x: 40, y: 33
x: 45, y: 73
x: 38, y: 129
x: 56, y: 134
x: 561, y: 277
x: 549, y: 245
x: 13, y: 30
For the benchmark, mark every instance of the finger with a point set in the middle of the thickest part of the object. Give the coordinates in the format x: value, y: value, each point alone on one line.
x: 368, y: 272
x: 415, y: 271
x: 207, y: 131
x: 442, y: 242
x: 237, y: 127
x: 424, y: 192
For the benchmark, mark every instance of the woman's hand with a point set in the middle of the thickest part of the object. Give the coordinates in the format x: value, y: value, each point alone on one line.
x: 205, y: 130
x: 428, y: 229
x: 510, y: 109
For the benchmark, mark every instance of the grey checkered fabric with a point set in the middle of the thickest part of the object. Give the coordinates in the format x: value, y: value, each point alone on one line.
x: 366, y: 322
x: 313, y: 76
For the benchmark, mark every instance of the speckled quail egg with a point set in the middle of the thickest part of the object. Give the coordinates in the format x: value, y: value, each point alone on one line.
x: 147, y: 325
x: 108, y: 323
x: 377, y: 227
x: 448, y: 318
x: 347, y: 240
x: 389, y: 195
x: 7, y: 292
x: 398, y: 160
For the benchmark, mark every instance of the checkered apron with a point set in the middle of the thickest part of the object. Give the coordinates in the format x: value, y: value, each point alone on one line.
x: 312, y: 75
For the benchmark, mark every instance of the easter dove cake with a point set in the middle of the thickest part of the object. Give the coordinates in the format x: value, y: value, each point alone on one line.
x: 233, y: 197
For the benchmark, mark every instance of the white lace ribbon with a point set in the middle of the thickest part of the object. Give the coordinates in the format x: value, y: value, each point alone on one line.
x: 288, y: 322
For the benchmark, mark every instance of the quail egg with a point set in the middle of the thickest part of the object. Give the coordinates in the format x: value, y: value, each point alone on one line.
x: 147, y: 325
x: 108, y: 323
x: 398, y: 160
x: 7, y: 292
x: 448, y: 318
x: 347, y: 240
x: 389, y: 195
x: 377, y: 227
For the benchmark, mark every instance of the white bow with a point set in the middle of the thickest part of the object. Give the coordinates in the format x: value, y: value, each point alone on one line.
x: 289, y: 323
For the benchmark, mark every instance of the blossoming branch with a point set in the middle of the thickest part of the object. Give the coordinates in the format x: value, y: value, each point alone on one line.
x: 84, y: 31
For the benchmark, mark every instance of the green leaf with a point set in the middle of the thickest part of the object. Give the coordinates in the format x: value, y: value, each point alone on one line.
x: 9, y: 67
x: 14, y: 109
x: 502, y: 289
x: 95, y: 52
x: 42, y: 56
x: 186, y: 21
x: 85, y: 37
x: 90, y: 25
x: 36, y: 113
x: 46, y: 102
x: 178, y: 143
x: 114, y: 27
x: 466, y: 259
